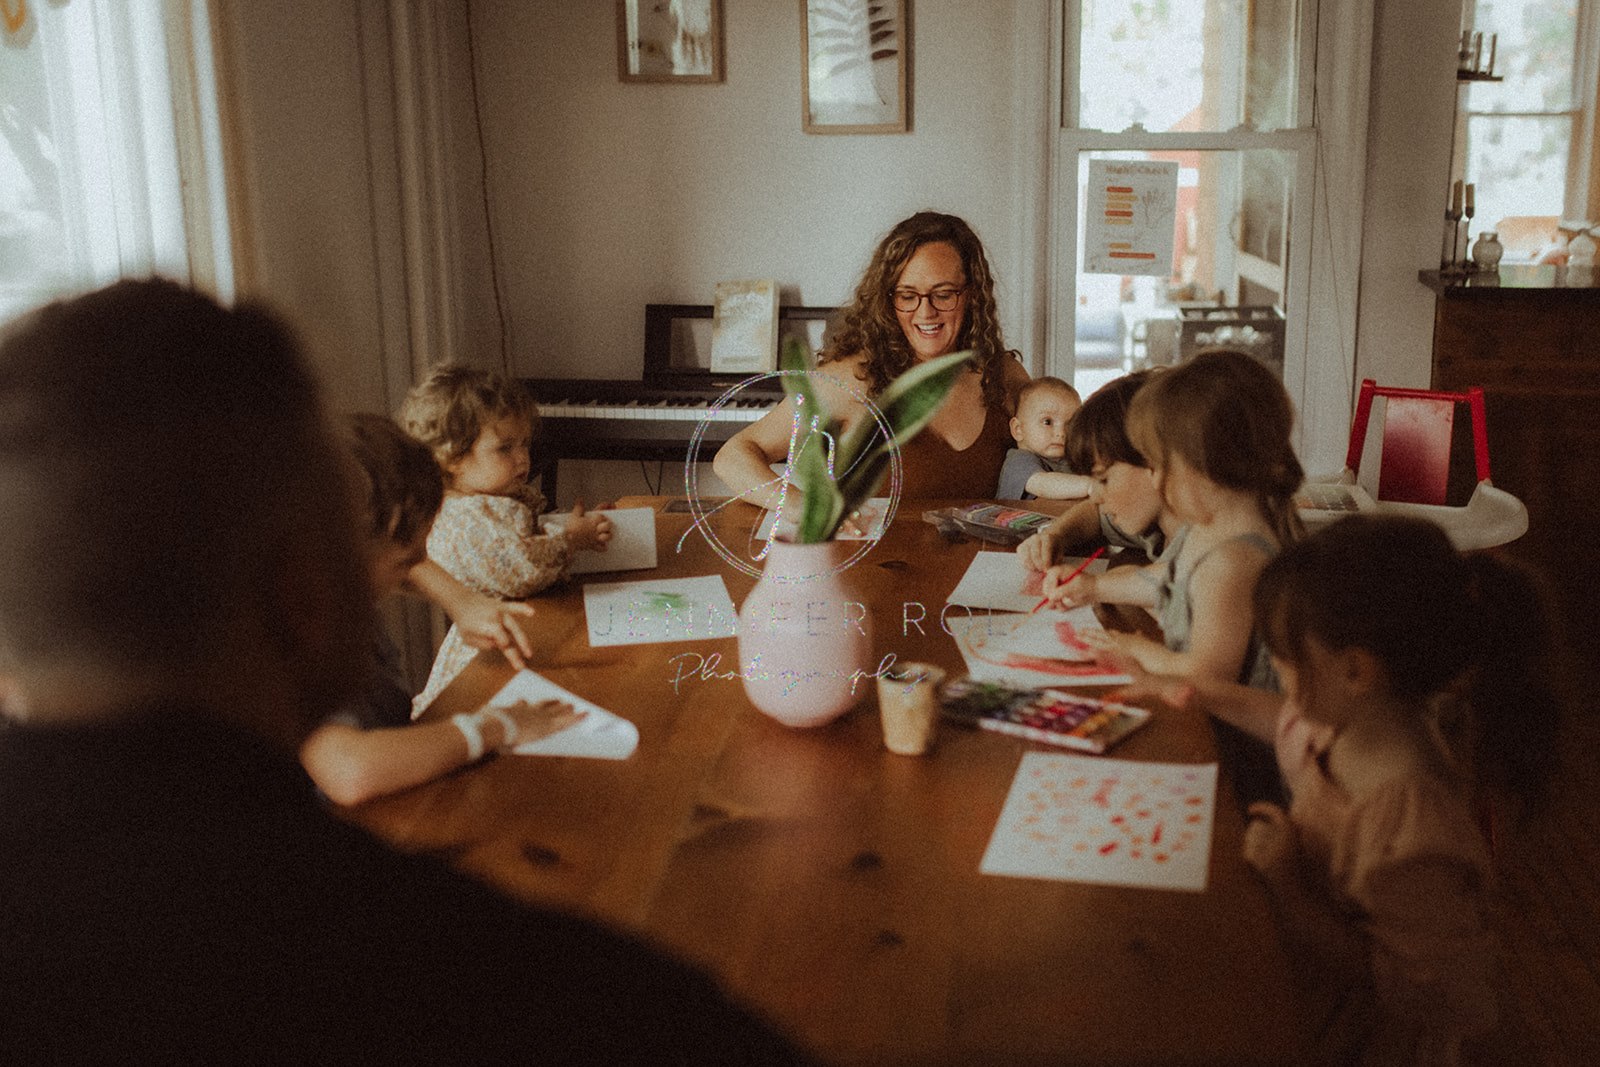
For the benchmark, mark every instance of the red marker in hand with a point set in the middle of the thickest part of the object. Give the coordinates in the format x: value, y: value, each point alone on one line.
x: 1079, y: 569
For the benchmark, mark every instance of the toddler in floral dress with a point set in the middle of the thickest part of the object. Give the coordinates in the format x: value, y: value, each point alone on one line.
x: 479, y: 426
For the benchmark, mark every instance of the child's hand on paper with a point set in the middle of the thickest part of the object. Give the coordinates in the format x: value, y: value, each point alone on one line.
x: 485, y: 622
x: 1270, y: 844
x: 539, y: 720
x: 1062, y: 593
x: 591, y: 531
x: 1123, y: 651
x: 1173, y: 691
x: 1040, y: 550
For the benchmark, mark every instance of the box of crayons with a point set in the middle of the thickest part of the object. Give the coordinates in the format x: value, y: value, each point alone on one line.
x: 1053, y: 716
x: 989, y: 522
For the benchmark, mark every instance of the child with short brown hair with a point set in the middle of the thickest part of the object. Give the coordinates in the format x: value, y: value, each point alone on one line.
x: 370, y: 746
x: 1123, y: 509
x: 479, y: 427
x: 1037, y: 467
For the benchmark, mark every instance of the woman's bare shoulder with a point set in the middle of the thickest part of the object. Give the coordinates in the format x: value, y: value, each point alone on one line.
x: 848, y: 372
x: 851, y: 367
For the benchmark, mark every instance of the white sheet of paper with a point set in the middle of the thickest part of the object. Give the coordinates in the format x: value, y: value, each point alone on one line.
x: 1106, y: 821
x: 632, y: 547
x: 872, y: 512
x: 998, y: 580
x: 650, y: 612
x: 1030, y: 650
x: 598, y: 735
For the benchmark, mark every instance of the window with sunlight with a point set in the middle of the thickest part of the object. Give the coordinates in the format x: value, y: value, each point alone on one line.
x: 1220, y: 88
x: 102, y: 159
x: 1526, y: 141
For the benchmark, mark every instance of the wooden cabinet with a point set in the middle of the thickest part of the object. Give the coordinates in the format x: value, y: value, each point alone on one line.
x: 1530, y: 336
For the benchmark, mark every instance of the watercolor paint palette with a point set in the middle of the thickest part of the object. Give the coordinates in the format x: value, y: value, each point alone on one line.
x: 1048, y: 715
x: 990, y: 522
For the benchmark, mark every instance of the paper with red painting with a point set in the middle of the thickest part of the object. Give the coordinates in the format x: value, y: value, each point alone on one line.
x: 1032, y: 650
x: 1107, y: 822
x: 1000, y: 580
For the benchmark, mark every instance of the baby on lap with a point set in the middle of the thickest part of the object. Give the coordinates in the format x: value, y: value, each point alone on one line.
x: 1037, y: 467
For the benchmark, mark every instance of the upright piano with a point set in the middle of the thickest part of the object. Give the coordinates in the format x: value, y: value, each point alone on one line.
x: 654, y: 418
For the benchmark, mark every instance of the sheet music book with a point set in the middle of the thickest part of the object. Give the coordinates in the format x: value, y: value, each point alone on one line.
x: 744, y: 327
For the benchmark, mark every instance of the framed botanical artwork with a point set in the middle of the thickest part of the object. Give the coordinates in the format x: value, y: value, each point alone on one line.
x: 853, y: 56
x: 669, y: 40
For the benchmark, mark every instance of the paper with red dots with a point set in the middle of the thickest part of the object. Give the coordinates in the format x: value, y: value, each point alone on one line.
x: 1105, y: 821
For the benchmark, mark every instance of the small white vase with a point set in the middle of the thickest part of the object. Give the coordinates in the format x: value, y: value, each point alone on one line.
x: 1581, y: 250
x: 804, y: 645
x: 1487, y: 250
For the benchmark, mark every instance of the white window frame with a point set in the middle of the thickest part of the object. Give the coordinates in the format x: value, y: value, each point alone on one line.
x: 1070, y: 141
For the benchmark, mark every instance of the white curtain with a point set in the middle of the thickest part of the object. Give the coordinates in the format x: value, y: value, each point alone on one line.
x: 93, y: 132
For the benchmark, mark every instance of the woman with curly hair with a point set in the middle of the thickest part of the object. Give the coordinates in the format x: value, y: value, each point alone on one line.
x: 926, y: 293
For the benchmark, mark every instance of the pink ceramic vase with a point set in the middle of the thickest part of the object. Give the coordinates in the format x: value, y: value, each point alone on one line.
x: 804, y: 645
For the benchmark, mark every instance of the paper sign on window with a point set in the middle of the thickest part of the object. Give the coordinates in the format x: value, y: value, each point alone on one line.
x: 1129, y: 217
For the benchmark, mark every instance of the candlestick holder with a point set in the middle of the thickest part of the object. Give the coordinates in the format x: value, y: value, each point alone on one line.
x: 1450, y: 247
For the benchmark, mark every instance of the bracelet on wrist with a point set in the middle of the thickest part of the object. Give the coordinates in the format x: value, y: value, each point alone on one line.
x: 471, y: 728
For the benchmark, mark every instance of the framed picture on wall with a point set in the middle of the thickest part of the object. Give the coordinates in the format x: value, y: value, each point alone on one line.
x: 853, y: 56
x: 669, y: 40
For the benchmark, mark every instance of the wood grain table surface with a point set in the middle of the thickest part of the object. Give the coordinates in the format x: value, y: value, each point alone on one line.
x: 833, y: 885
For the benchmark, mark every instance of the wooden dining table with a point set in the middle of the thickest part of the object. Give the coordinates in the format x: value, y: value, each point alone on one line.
x: 833, y: 886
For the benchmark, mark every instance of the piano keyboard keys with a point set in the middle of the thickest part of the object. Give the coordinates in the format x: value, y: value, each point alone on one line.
x: 736, y: 411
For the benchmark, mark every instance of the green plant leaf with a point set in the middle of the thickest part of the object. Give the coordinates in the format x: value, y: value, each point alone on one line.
x: 837, y: 470
x: 810, y: 467
x: 822, y: 507
x: 908, y: 404
x: 858, y: 485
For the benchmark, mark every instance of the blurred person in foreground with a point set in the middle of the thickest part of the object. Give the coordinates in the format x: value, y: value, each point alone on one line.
x: 182, y: 599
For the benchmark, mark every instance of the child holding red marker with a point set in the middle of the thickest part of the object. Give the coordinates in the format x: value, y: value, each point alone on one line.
x: 1123, y: 508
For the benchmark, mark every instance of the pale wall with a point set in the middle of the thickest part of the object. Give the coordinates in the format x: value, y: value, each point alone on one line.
x: 607, y: 196
x: 1408, y: 177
